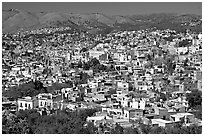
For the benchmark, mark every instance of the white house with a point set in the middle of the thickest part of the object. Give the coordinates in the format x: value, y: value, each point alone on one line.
x: 95, y: 53
x: 25, y: 103
x: 123, y: 85
x: 188, y: 117
x: 66, y: 92
x: 43, y: 100
x: 92, y: 83
x: 138, y: 104
x: 182, y: 50
x: 161, y: 122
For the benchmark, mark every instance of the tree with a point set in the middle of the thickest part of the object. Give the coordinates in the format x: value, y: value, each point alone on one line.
x: 15, y: 125
x: 83, y: 78
x: 26, y: 89
x: 131, y: 130
x: 170, y: 65
x: 194, y: 98
x: 88, y: 129
x: 94, y: 62
x: 186, y: 62
x: 118, y: 129
x: 80, y: 64
x: 157, y: 130
x: 198, y: 111
x: 145, y: 128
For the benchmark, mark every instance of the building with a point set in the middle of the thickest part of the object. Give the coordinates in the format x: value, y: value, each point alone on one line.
x: 132, y: 112
x: 95, y: 53
x: 43, y: 100
x: 161, y: 122
x: 186, y: 117
x: 25, y: 103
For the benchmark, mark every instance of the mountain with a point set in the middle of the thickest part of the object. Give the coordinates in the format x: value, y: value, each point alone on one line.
x: 14, y: 20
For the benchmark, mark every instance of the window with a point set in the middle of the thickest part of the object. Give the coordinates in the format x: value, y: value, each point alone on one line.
x: 173, y: 118
x: 29, y: 106
x: 41, y: 104
x: 21, y: 105
x: 25, y: 104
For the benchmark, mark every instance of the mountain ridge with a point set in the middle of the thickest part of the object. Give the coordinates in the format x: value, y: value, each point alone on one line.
x: 13, y: 20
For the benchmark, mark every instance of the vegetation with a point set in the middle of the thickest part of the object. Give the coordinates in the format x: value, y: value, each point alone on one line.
x: 74, y: 122
x: 195, y: 102
x: 92, y: 64
x: 147, y: 129
x: 65, y: 121
x: 26, y: 89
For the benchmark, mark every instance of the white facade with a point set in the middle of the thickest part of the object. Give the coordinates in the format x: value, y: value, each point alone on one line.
x: 182, y: 50
x: 122, y: 85
x: 44, y: 100
x: 66, y: 92
x: 93, y: 84
x: 138, y: 104
x: 43, y: 103
x: 160, y: 122
x: 95, y: 54
x: 25, y: 103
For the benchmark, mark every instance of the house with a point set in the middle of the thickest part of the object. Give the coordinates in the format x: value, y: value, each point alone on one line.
x: 182, y: 50
x: 99, y: 119
x: 121, y: 68
x: 65, y: 92
x: 161, y: 122
x: 186, y: 117
x: 95, y: 53
x: 179, y: 108
x: 43, y: 100
x: 140, y: 85
x: 199, y: 85
x: 99, y: 97
x: 198, y: 75
x: 158, y: 69
x: 138, y: 103
x: 92, y: 83
x: 172, y: 50
x: 122, y: 85
x: 25, y: 103
x: 103, y: 57
x: 161, y: 112
x: 11, y: 106
x: 114, y: 112
x: 189, y: 85
x: 132, y: 112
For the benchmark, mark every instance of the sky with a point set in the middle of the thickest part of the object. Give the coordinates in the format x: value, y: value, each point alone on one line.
x: 110, y: 8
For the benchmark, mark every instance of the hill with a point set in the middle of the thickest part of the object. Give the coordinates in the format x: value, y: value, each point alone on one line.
x: 15, y: 20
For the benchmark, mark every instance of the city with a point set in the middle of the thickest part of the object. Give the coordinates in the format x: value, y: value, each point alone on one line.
x: 64, y: 80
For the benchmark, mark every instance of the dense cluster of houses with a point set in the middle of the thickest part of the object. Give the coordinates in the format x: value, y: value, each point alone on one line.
x: 129, y: 94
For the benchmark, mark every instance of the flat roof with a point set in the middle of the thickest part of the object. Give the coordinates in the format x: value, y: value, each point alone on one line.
x: 161, y: 120
x: 27, y: 100
x: 181, y: 114
x: 98, y: 118
x: 132, y: 109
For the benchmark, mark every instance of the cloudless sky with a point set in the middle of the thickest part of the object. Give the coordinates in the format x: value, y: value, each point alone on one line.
x: 111, y: 8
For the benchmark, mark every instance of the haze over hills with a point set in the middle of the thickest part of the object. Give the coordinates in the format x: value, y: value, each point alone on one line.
x: 14, y: 20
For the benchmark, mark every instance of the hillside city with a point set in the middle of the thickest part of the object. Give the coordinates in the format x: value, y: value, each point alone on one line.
x: 60, y: 80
